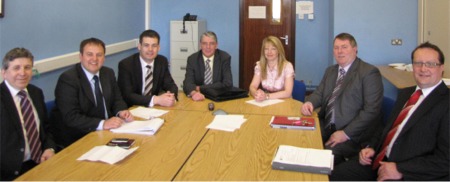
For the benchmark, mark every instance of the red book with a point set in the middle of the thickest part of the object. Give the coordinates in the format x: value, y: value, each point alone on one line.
x: 286, y: 122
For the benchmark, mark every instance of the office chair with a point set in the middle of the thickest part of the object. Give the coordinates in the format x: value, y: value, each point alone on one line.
x: 50, y: 105
x: 386, y: 108
x: 298, y: 93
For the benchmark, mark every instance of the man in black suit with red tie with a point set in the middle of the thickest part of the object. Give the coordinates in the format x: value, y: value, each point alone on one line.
x: 144, y: 78
x: 25, y: 141
x: 414, y: 144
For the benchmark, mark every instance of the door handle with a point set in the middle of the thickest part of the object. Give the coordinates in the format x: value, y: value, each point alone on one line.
x: 286, y: 39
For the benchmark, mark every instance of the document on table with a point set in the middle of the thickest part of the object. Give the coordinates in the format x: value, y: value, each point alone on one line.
x: 303, y: 159
x: 265, y: 102
x: 107, y: 154
x: 147, y: 127
x: 147, y: 113
x: 227, y: 122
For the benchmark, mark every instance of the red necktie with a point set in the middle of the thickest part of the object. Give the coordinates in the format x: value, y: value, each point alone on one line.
x: 30, y: 126
x: 412, y: 100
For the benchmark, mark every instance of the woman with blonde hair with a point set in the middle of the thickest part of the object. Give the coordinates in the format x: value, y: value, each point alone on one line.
x: 274, y: 75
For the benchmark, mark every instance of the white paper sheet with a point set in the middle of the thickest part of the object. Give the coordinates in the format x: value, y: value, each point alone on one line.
x: 227, y: 122
x: 147, y: 113
x: 147, y: 127
x: 304, y: 156
x: 107, y: 154
x: 265, y: 102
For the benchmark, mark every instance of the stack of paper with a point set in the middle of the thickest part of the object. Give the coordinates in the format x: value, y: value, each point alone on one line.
x: 265, y: 102
x: 147, y: 113
x: 107, y: 154
x: 227, y: 122
x: 303, y: 159
x: 147, y: 127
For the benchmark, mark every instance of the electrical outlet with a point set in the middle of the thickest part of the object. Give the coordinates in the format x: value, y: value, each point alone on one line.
x: 36, y: 73
x: 396, y: 41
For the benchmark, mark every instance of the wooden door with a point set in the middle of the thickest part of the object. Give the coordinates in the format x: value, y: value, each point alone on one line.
x: 257, y: 22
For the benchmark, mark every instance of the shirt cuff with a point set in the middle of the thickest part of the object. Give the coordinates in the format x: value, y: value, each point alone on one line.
x: 151, y: 102
x: 100, y: 125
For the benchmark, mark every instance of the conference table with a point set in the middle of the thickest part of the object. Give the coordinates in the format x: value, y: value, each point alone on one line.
x: 183, y: 149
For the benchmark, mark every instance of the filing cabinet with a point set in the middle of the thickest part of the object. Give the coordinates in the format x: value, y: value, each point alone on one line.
x: 184, y: 41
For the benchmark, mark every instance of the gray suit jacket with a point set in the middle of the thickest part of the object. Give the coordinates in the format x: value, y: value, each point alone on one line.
x: 358, y: 104
x: 195, y: 72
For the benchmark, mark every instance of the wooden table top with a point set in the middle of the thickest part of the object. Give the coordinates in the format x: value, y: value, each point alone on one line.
x: 159, y: 157
x: 246, y: 154
x: 184, y: 149
x: 399, y: 78
x: 289, y: 106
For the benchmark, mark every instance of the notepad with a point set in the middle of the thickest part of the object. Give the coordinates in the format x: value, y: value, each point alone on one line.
x: 303, y: 159
x: 107, y: 154
x: 147, y: 113
x: 147, y: 127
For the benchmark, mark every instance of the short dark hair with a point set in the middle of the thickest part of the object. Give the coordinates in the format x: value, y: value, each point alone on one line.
x: 347, y: 36
x: 430, y: 46
x: 18, y: 52
x: 94, y: 41
x: 149, y: 33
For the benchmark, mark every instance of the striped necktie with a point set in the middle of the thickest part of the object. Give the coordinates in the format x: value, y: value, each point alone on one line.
x: 329, y: 117
x: 30, y: 126
x: 208, y: 73
x: 400, y: 118
x: 148, y: 81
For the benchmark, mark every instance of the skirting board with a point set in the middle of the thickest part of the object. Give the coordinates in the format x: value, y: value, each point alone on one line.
x: 57, y: 62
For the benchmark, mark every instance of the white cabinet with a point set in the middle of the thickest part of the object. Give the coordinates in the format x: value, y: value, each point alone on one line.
x: 184, y: 41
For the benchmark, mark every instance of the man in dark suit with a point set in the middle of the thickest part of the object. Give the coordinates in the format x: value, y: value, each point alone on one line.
x: 218, y: 62
x: 350, y: 96
x: 414, y: 144
x: 144, y: 75
x: 87, y: 97
x: 22, y: 147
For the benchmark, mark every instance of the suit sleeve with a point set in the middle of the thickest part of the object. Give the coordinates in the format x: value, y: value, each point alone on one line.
x: 169, y: 83
x: 319, y: 93
x: 372, y: 89
x: 116, y: 98
x: 127, y: 86
x: 189, y: 78
x: 70, y: 98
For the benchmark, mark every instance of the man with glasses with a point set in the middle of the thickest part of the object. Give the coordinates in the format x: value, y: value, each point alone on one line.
x: 208, y: 68
x: 414, y: 144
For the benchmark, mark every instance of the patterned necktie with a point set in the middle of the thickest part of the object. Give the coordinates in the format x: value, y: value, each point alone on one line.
x: 329, y: 117
x: 99, y: 98
x: 208, y: 73
x: 148, y: 81
x: 412, y: 100
x: 30, y: 126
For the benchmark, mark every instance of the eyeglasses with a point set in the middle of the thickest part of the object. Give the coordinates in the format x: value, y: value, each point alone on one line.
x: 427, y: 64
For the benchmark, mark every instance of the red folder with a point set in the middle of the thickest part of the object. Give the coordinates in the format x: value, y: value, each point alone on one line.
x: 286, y: 122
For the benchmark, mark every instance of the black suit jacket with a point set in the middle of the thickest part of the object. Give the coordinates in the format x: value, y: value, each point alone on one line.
x: 12, y: 138
x: 74, y: 113
x: 195, y: 72
x: 131, y: 83
x: 421, y: 150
